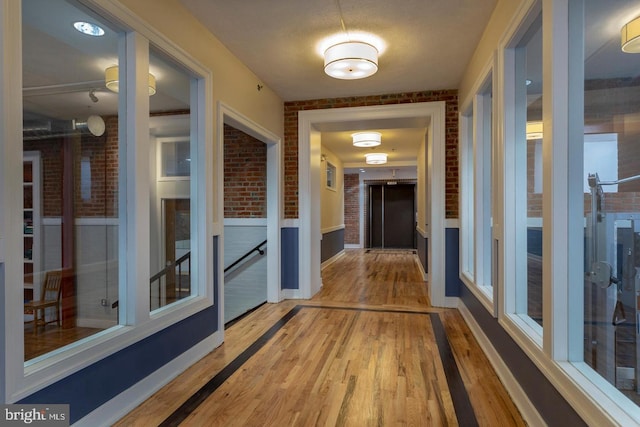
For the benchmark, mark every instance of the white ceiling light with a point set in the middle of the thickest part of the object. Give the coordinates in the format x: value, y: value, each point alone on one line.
x: 366, y: 139
x: 534, y: 130
x: 351, y: 60
x: 630, y: 36
x: 112, y: 82
x: 88, y: 28
x: 376, y: 158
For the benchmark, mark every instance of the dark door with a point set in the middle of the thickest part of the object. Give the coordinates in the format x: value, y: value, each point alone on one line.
x: 392, y: 216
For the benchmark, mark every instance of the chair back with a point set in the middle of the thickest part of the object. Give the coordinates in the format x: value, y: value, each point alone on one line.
x: 52, y: 286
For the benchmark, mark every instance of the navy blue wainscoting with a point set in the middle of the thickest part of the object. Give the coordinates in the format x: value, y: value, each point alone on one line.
x: 289, y: 268
x: 96, y: 384
x: 452, y: 263
x: 548, y: 401
x: 332, y: 244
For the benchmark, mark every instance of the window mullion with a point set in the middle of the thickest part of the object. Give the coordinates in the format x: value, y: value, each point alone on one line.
x: 134, y: 132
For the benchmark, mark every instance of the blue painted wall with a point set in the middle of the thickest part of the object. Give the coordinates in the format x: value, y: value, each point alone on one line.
x: 332, y: 243
x: 453, y: 284
x: 96, y: 384
x: 289, y: 262
x: 550, y: 404
x: 422, y: 245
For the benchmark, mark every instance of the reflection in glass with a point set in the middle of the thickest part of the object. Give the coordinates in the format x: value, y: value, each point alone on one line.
x: 70, y: 174
x: 611, y: 198
x: 170, y: 188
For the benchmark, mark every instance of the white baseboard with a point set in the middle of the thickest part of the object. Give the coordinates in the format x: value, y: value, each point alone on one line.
x: 425, y: 276
x: 520, y: 399
x: 352, y: 246
x: 291, y: 294
x: 126, y: 401
x: 332, y: 259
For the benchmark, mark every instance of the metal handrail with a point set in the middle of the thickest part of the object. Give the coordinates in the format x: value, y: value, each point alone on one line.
x: 239, y: 260
x: 169, y: 266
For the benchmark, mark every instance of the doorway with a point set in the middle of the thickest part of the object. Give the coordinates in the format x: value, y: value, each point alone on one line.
x: 391, y: 221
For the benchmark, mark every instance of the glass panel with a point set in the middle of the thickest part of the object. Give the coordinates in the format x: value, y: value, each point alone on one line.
x: 611, y: 197
x: 469, y: 195
x: 528, y: 175
x: 170, y: 207
x: 70, y: 135
x: 484, y: 198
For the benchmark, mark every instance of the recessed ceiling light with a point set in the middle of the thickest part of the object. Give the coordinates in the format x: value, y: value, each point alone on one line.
x: 527, y: 82
x: 88, y: 28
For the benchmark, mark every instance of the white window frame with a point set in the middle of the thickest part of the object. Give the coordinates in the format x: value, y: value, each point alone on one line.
x: 476, y: 130
x: 136, y: 323
x: 513, y: 280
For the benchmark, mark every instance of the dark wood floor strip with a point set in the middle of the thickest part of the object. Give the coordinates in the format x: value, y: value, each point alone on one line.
x: 464, y: 411
x: 201, y: 395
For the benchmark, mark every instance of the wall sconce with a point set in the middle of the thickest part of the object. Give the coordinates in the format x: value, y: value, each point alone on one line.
x: 112, y: 81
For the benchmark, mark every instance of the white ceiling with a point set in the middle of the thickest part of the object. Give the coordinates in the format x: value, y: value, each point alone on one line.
x: 425, y: 45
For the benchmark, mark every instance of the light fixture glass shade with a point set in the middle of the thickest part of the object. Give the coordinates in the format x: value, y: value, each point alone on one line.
x: 534, y: 130
x: 630, y: 36
x: 351, y: 60
x: 366, y: 139
x: 112, y: 81
x: 376, y: 158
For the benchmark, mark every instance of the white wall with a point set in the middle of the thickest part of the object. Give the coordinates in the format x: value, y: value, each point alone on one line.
x: 331, y: 201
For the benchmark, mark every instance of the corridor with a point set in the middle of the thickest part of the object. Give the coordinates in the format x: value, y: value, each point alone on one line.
x: 367, y: 350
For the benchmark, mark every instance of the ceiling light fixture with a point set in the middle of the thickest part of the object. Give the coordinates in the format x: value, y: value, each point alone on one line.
x: 112, y: 81
x: 88, y: 28
x: 534, y: 130
x: 366, y: 139
x: 350, y: 59
x: 630, y: 36
x: 376, y: 158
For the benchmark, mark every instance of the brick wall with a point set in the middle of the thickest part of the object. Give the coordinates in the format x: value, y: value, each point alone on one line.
x: 291, y: 139
x: 245, y: 175
x: 100, y: 151
x: 352, y: 209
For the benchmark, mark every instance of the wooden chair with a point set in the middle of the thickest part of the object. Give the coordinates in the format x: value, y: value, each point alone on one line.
x: 50, y: 296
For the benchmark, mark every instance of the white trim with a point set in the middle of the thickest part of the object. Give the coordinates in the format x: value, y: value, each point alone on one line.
x: 92, y: 221
x: 332, y: 229
x: 352, y: 246
x: 116, y: 408
x: 424, y: 274
x: 528, y: 411
x: 422, y: 232
x: 331, y: 260
x: 245, y: 222
x: 228, y: 115
x: 484, y: 294
x: 308, y: 175
x: 290, y: 223
x: 291, y: 294
x: 452, y: 223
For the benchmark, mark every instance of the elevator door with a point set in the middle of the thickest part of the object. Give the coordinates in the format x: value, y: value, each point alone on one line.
x: 392, y: 216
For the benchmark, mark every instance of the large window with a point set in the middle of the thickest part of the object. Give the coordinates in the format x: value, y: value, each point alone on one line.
x: 71, y: 177
x: 611, y: 187
x: 477, y: 200
x: 96, y: 216
x: 523, y: 202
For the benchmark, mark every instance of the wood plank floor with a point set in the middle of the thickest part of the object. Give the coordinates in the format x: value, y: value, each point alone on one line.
x: 367, y: 350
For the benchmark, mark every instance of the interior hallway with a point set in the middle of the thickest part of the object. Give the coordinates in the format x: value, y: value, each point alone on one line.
x: 367, y: 350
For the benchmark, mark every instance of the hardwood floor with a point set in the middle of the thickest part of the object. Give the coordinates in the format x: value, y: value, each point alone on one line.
x: 366, y: 350
x: 50, y: 338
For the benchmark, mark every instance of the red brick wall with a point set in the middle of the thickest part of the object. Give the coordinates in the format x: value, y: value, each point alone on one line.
x: 291, y: 139
x: 104, y: 183
x: 352, y: 208
x: 245, y: 175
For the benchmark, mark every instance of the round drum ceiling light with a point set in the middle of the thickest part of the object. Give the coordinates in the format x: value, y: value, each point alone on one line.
x: 630, y: 36
x: 366, y: 139
x: 376, y: 158
x: 351, y: 60
x: 112, y: 81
